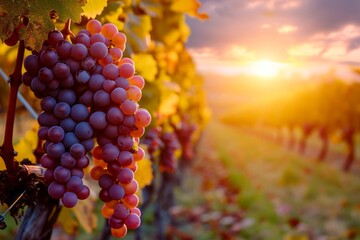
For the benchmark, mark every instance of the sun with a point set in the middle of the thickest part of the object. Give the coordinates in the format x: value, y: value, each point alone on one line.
x: 265, y: 68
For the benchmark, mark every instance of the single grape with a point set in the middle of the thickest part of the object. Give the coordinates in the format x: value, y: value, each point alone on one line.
x: 56, y: 190
x: 69, y: 199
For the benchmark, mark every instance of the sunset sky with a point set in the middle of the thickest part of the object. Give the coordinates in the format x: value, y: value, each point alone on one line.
x: 286, y: 35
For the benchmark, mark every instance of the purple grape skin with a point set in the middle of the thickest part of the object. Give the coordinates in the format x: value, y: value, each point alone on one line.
x: 77, y: 150
x: 101, y: 98
x: 49, y: 57
x: 114, y: 115
x: 32, y: 64
x: 125, y: 176
x: 110, y: 152
x: 61, y: 174
x: 73, y: 65
x: 106, y: 181
x: 42, y: 133
x: 87, y: 98
x: 133, y: 221
x: 68, y: 96
x: 125, y: 158
x: 89, y: 64
x: 77, y: 172
x: 96, y: 82
x: 118, y: 95
x: 45, y: 75
x: 83, y: 193
x: 61, y: 70
x: 79, y: 112
x: 82, y: 76
x: 83, y: 130
x: 121, y: 211
x: 78, y: 51
x: 70, y: 139
x: 55, y: 150
x: 56, y: 190
x: 97, y: 120
x: 82, y: 162
x: 48, y: 103
x: 74, y: 184
x: 62, y: 110
x: 47, y: 119
x: 82, y: 38
x: 116, y: 192
x: 115, y: 223
x: 47, y: 162
x: 69, y: 199
x: 54, y: 37
x: 67, y: 82
x: 67, y: 160
x: 125, y: 143
x: 122, y: 82
x: 88, y: 144
x: 37, y: 86
x: 68, y: 124
x: 111, y: 131
x: 56, y: 134
x: 63, y: 49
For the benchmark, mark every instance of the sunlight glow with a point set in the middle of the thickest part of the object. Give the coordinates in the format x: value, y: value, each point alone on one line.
x: 265, y: 68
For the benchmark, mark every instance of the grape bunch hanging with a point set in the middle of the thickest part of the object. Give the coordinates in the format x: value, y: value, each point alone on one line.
x: 89, y: 92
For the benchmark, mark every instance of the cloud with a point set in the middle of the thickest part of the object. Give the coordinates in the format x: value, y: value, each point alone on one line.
x: 338, y: 45
x: 287, y: 29
x: 278, y: 29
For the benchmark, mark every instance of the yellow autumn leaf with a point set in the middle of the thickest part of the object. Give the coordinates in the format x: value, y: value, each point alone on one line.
x: 145, y: 65
x: 94, y: 8
x: 27, y: 145
x: 168, y: 104
x: 296, y: 237
x: 144, y: 174
x: 84, y: 212
x: 67, y: 221
x: 190, y: 7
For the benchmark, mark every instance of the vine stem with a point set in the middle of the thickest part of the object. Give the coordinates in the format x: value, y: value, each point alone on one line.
x: 7, y: 149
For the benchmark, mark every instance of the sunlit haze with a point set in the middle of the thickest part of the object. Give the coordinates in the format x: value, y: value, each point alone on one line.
x: 295, y: 36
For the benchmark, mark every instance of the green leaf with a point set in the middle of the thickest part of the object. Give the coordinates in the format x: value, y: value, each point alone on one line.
x: 145, y: 66
x: 38, y: 12
x: 190, y: 7
x: 137, y: 29
x: 113, y: 13
x: 94, y: 8
x: 152, y: 8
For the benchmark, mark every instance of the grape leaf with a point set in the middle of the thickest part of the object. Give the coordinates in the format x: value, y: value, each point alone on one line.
x: 190, y: 7
x: 38, y: 13
x: 137, y: 29
x: 152, y: 8
x: 144, y: 174
x: 170, y: 29
x: 84, y: 212
x: 112, y: 13
x: 27, y: 144
x: 67, y: 221
x: 94, y: 7
x: 145, y: 65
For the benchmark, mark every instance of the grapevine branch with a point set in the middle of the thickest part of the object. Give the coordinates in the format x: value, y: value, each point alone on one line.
x: 7, y: 149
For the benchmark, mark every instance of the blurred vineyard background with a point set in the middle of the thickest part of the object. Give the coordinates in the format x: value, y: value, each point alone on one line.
x: 260, y: 156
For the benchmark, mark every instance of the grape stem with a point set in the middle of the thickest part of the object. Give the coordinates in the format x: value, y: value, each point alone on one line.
x: 67, y: 30
x: 7, y: 149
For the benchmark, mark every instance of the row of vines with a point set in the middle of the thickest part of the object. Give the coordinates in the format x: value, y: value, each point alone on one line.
x: 156, y: 33
x: 328, y: 108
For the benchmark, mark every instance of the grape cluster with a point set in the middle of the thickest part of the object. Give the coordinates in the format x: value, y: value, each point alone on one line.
x: 89, y: 91
x: 167, y: 152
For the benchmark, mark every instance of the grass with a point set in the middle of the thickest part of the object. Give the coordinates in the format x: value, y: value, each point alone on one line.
x: 277, y: 185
